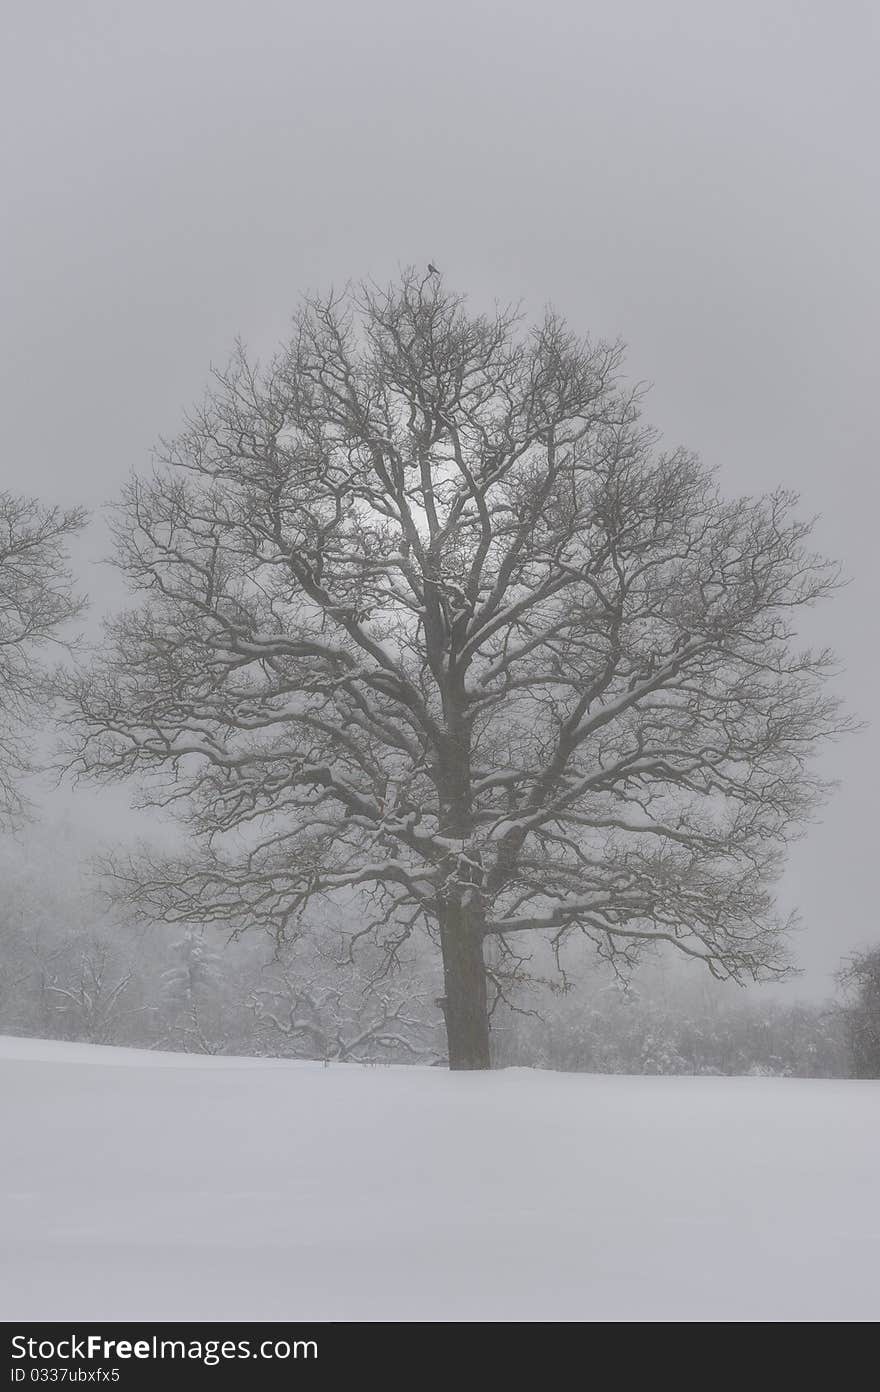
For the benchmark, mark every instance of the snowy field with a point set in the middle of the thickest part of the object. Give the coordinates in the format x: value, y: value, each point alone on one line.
x: 161, y: 1186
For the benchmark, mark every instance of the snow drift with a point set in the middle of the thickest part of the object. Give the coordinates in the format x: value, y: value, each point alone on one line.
x: 160, y: 1186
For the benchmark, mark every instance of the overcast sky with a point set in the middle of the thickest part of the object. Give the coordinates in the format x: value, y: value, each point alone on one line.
x: 698, y: 178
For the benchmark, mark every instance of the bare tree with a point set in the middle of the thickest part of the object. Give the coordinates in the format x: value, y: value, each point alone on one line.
x: 36, y: 602
x: 860, y: 978
x: 92, y: 999
x: 326, y: 1008
x: 426, y: 615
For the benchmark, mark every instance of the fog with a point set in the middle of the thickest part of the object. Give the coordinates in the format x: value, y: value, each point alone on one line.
x: 698, y: 179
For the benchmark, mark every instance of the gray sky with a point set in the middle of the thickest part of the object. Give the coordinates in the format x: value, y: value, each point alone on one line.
x: 699, y: 178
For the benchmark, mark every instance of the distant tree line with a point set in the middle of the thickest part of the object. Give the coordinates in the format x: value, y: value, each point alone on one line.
x: 70, y: 969
x: 660, y: 1026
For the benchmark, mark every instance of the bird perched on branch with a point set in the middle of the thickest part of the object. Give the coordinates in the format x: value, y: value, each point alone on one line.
x: 432, y: 269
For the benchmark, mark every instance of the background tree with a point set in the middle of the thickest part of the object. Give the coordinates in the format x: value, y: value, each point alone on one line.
x: 91, y: 1001
x: 68, y: 967
x: 191, y: 995
x: 36, y: 602
x: 309, y: 1003
x: 424, y: 615
x: 860, y: 978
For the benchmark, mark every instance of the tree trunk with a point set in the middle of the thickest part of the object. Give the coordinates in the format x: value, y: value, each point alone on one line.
x: 465, y: 1005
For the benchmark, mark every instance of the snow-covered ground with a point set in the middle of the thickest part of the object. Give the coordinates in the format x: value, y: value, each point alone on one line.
x: 162, y: 1186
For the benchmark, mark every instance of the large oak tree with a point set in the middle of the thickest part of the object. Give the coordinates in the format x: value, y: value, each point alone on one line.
x: 424, y: 615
